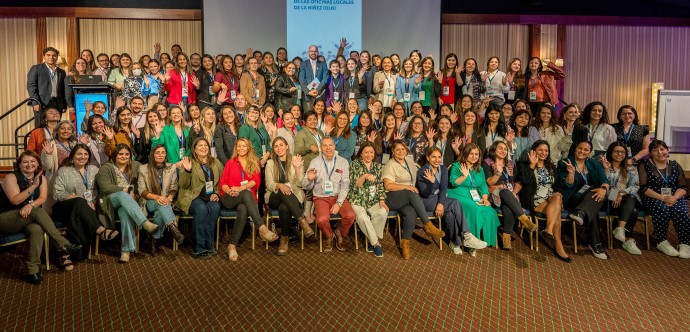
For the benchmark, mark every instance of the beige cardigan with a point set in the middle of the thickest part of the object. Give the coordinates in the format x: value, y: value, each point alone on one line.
x: 295, y: 180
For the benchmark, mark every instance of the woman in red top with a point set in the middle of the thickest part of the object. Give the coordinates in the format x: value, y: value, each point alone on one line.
x: 239, y: 183
x: 541, y: 84
x: 450, y: 89
x: 227, y: 78
x: 178, y: 93
x: 46, y: 132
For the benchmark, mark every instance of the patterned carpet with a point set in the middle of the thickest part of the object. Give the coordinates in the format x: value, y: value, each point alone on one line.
x: 520, y: 290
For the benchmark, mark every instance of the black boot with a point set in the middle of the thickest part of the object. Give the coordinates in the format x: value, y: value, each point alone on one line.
x: 153, y: 250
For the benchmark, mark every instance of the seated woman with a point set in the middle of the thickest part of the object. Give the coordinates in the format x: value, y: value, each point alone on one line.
x: 468, y: 186
x: 343, y: 137
x: 623, y: 196
x: 74, y: 195
x: 368, y: 197
x: 117, y: 184
x: 239, y: 184
x: 500, y: 175
x: 663, y: 187
x: 56, y: 151
x: 432, y: 183
x: 157, y: 183
x: 23, y: 192
x: 152, y: 128
x: 98, y: 108
x: 399, y: 176
x: 198, y: 195
x: 535, y: 186
x: 584, y: 193
x: 284, y: 175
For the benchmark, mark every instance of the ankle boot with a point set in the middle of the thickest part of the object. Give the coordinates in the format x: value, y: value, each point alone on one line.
x: 153, y: 250
x: 434, y: 232
x: 406, y: 251
x: 527, y: 223
x: 283, y: 247
x: 506, y: 241
x: 308, y: 232
x: 177, y: 235
x: 149, y: 226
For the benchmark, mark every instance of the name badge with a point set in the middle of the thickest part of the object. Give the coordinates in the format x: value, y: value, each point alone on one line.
x: 299, y: 93
x: 210, y: 90
x: 532, y: 96
x: 351, y: 95
x: 446, y: 90
x: 613, y: 194
x: 389, y: 92
x: 385, y: 158
x: 407, y: 96
x: 583, y: 189
x: 214, y: 154
x: 88, y: 196
x: 256, y: 94
x: 263, y: 149
x: 372, y: 191
x: 242, y: 183
x: 181, y: 153
x: 475, y: 195
x: 666, y: 192
x: 233, y: 94
x: 336, y: 95
x: 629, y: 151
x: 328, y: 187
x: 436, y: 192
x: 509, y: 186
x: 511, y: 95
x: 422, y: 95
x: 209, y: 187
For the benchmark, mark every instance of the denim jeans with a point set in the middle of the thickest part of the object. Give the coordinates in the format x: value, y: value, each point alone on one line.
x: 204, y: 218
x: 130, y: 215
x: 162, y: 216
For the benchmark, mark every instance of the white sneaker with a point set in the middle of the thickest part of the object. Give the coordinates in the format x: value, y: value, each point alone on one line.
x: 471, y: 241
x: 667, y: 249
x: 684, y: 250
x: 631, y: 247
x: 619, y: 234
x: 456, y: 249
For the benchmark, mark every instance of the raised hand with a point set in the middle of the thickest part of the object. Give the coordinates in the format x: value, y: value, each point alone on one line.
x: 418, y: 79
x: 360, y: 75
x: 297, y: 161
x: 533, y: 159
x: 510, y: 135
x: 457, y: 142
x: 195, y: 126
x: 432, y: 114
x: 157, y: 47
x: 158, y: 128
x: 484, y: 75
x: 372, y: 136
x: 88, y: 105
x: 48, y: 147
x: 343, y: 42
x: 398, y: 135
x: 36, y: 181
x: 119, y: 102
x: 109, y: 134
x: 166, y: 77
x: 337, y: 106
x: 311, y: 174
x: 453, y: 117
x: 465, y: 169
x: 439, y: 76
x: 569, y: 167
x: 222, y: 95
x: 429, y: 175
x: 604, y: 163
x: 509, y: 78
x: 430, y: 135
x: 195, y: 82
x: 187, y: 163
x: 84, y: 139
x: 135, y: 130
x: 329, y: 128
x: 510, y: 169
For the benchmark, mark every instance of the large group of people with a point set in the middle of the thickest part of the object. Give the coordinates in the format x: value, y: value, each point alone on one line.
x: 358, y: 138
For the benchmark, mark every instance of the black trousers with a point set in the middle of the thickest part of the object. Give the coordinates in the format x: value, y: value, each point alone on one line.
x: 82, y: 222
x: 628, y: 211
x: 511, y: 209
x: 288, y: 207
x: 246, y: 206
x: 585, y: 202
x: 411, y: 206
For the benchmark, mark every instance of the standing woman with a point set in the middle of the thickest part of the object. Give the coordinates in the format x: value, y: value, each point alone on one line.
x: 308, y: 140
x: 573, y: 130
x: 377, y: 114
x: 281, y: 59
x: 419, y: 138
x: 450, y: 90
x: 117, y: 183
x: 471, y: 81
x: 269, y: 71
x: 175, y: 137
x: 468, y: 185
x: 664, y: 187
x: 395, y: 58
x: 582, y: 182
x: 416, y: 57
x: 632, y: 134
x: 353, y: 112
x: 469, y: 128
x: 399, y: 176
x: 500, y: 175
x: 117, y: 75
x: 78, y: 68
x: 206, y: 76
x: 493, y: 80
x: 366, y: 75
x: 199, y: 195
x: 253, y: 85
x: 446, y: 141
x: 535, y: 186
x: 74, y: 195
x: 193, y: 115
x: 384, y: 84
x: 515, y: 80
x: 432, y: 183
x: 601, y: 134
x: 157, y: 188
x: 95, y: 140
x: 87, y: 55
x: 133, y: 85
x: 45, y: 132
x: 431, y: 86
x: 389, y: 134
x: 23, y: 192
x: 152, y: 128
x: 254, y: 131
x: 227, y: 78
x: 623, y: 197
x: 181, y: 83
x: 368, y: 197
x: 124, y: 132
x: 408, y: 85
x: 343, y: 138
x: 206, y: 128
x: 239, y: 184
x: 541, y: 83
x: 288, y: 91
x: 288, y: 131
x: 225, y: 135
x: 549, y: 130
x: 284, y: 173
x: 522, y: 136
x: 365, y: 131
x: 354, y: 86
x: 493, y: 128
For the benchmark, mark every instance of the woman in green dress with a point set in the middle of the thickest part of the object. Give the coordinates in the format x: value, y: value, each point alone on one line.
x: 468, y: 186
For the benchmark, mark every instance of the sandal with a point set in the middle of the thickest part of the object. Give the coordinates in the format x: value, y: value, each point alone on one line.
x: 232, y: 254
x: 65, y: 263
x: 268, y: 236
x: 108, y: 234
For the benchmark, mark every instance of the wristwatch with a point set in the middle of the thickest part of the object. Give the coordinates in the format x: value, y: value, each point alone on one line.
x: 634, y: 160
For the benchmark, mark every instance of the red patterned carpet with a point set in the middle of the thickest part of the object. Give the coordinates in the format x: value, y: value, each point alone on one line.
x: 520, y: 290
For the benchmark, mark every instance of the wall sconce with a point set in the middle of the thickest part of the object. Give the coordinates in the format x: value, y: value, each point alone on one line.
x: 655, y: 93
x: 559, y: 62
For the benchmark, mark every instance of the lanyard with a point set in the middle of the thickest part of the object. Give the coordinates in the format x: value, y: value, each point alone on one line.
x: 181, y: 140
x: 413, y: 142
x: 443, y: 146
x: 593, y: 131
x: 122, y: 173
x: 377, y: 125
x: 261, y: 136
x: 335, y: 86
x: 231, y: 80
x: 65, y: 147
x: 407, y: 84
x: 31, y: 196
x: 614, y: 181
x: 241, y: 116
x: 407, y: 167
x: 505, y: 173
x: 160, y: 179
x: 209, y: 175
x: 282, y: 169
x: 326, y: 166
x: 469, y: 176
x: 437, y: 175
x: 665, y: 178
x: 493, y: 135
x: 85, y: 178
x: 626, y: 137
x: 141, y: 116
x: 583, y: 173
x: 352, y: 81
x: 317, y: 137
x: 242, y: 174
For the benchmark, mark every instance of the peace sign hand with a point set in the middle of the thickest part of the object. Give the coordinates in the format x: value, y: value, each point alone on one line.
x: 569, y: 166
x: 604, y: 163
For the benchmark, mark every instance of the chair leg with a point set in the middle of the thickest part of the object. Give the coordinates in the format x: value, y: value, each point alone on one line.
x: 136, y: 245
x: 609, y: 222
x: 646, y: 232
x: 97, y: 244
x: 356, y: 240
x: 574, y: 236
x: 301, y: 236
x: 440, y: 241
x: 399, y: 232
x: 253, y: 235
x: 46, y: 246
x: 318, y: 232
x: 217, y: 233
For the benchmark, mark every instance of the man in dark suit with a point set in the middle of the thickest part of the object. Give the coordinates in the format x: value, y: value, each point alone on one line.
x: 46, y: 82
x: 312, y: 78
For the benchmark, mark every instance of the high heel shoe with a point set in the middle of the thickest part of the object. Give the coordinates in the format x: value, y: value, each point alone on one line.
x: 108, y: 234
x: 70, y: 248
x: 566, y: 259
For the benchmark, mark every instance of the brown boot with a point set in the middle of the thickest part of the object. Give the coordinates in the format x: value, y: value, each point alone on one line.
x: 339, y: 243
x: 506, y: 241
x: 406, y: 251
x: 177, y: 235
x: 527, y: 223
x: 328, y: 244
x: 283, y: 247
x: 434, y: 232
x: 308, y: 232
